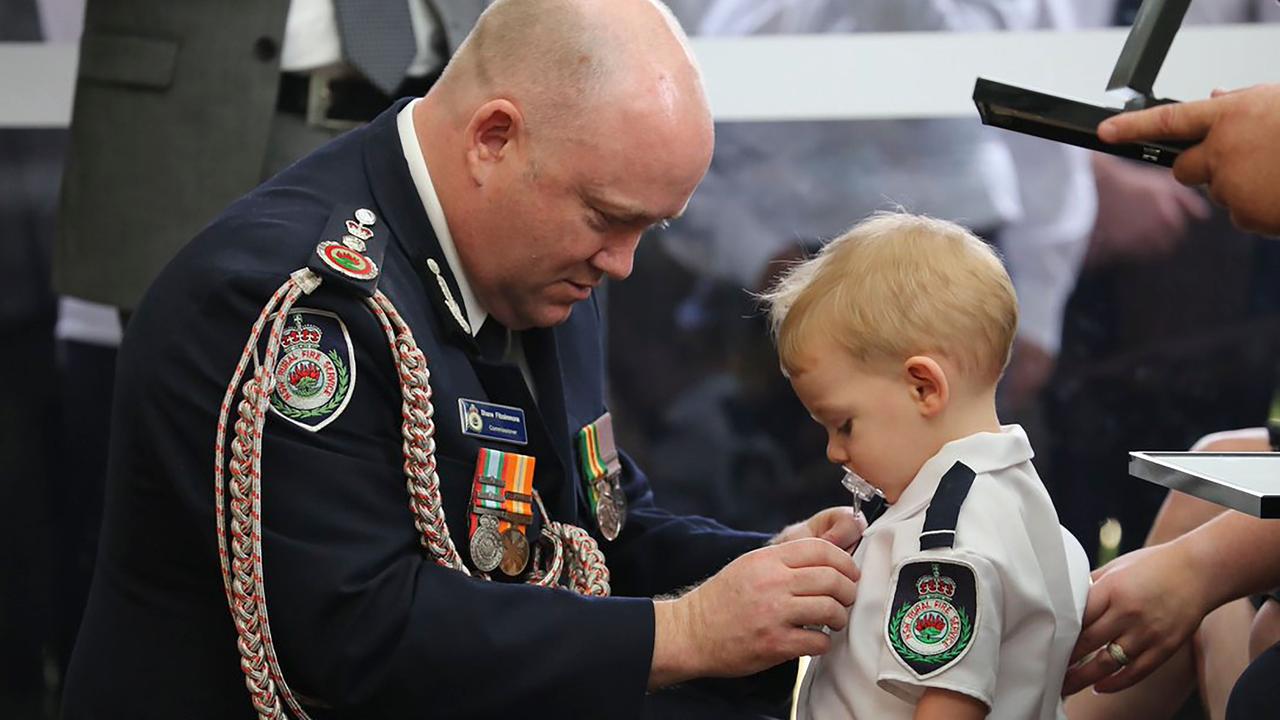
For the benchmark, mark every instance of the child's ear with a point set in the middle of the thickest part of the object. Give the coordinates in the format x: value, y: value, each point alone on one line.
x: 928, y: 383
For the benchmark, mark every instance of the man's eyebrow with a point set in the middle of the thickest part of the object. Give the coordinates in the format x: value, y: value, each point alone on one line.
x: 628, y: 214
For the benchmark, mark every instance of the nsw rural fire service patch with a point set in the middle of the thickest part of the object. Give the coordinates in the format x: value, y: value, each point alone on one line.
x: 933, y: 615
x: 316, y: 373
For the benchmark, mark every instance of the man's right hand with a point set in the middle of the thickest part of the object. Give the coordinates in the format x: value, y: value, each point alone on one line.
x: 753, y: 614
x: 1237, y: 155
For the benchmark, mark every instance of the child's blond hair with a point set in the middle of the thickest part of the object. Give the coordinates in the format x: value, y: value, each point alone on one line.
x: 899, y: 285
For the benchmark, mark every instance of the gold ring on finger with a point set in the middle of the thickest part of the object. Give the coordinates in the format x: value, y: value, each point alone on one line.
x: 1117, y: 653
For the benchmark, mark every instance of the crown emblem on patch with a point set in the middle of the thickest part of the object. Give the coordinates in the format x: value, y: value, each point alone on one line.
x: 358, y: 230
x: 301, y: 336
x: 316, y: 371
x: 936, y: 586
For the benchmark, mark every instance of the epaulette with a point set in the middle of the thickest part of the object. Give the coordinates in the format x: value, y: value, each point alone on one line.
x: 351, y: 249
x: 944, y: 510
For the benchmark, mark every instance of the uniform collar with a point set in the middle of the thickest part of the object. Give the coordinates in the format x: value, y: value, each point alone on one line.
x: 983, y: 452
x: 476, y: 313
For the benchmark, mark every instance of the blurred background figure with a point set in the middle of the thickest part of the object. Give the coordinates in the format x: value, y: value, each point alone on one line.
x: 1177, y: 312
x: 30, y: 165
x: 775, y: 191
x: 205, y: 103
x: 1171, y: 333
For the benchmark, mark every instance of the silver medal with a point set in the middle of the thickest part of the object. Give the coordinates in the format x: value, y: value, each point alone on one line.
x: 611, y: 507
x: 486, y: 545
x: 365, y: 216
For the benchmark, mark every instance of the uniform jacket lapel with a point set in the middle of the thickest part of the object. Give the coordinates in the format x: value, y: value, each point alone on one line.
x: 502, y: 383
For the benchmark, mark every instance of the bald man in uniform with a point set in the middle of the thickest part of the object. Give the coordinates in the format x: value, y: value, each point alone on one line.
x: 486, y: 213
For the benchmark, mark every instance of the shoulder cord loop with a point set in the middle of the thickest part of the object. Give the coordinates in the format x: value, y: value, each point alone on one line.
x: 571, y: 547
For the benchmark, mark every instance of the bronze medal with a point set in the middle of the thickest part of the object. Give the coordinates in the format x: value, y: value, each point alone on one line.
x: 486, y: 545
x: 515, y: 552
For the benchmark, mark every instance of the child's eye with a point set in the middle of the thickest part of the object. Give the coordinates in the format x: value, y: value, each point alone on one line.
x: 846, y: 428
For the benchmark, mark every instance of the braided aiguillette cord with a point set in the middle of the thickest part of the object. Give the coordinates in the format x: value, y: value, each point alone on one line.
x: 247, y: 594
x: 242, y: 567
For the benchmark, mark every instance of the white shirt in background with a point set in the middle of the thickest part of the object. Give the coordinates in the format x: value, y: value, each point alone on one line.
x: 312, y: 41
x: 773, y: 184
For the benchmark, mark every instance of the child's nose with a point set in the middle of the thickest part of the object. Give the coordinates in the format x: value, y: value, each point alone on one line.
x: 836, y: 453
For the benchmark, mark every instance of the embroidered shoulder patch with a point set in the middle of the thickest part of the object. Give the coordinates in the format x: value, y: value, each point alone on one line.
x: 316, y: 372
x: 933, y: 615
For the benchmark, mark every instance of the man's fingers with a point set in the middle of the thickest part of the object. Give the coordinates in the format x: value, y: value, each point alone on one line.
x: 814, y: 552
x: 1175, y: 121
x: 1192, y: 166
x: 812, y: 611
x: 845, y: 529
x: 824, y: 581
x: 801, y: 641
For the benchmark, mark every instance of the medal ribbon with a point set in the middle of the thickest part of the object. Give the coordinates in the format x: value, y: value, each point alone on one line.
x: 502, y: 483
x: 597, y: 460
x: 593, y: 465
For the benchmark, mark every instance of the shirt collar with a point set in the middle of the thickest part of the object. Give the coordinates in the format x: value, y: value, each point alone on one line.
x: 983, y: 452
x: 476, y: 313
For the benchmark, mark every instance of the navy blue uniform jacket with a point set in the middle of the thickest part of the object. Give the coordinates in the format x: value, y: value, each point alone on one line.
x: 362, y: 620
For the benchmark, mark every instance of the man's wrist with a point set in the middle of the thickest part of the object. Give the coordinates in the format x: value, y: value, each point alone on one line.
x: 674, y: 650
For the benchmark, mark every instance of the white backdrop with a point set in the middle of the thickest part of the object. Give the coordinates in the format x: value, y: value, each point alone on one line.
x: 812, y: 77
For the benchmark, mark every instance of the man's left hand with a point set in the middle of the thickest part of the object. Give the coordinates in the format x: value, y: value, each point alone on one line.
x: 840, y: 526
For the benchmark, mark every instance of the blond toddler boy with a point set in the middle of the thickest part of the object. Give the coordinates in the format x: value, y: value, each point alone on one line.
x: 894, y: 337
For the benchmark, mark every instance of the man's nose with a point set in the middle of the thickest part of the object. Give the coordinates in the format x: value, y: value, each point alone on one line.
x: 617, y: 257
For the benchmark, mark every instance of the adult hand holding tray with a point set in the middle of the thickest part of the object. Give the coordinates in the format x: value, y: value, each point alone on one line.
x: 1076, y: 123
x: 1062, y: 120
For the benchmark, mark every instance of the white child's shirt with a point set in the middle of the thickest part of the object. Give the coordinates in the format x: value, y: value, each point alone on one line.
x: 994, y: 617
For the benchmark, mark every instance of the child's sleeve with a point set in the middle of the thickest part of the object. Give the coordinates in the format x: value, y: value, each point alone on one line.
x: 942, y: 627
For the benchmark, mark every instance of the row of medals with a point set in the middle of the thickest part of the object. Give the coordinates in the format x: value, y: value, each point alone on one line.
x: 509, y: 551
x: 491, y: 550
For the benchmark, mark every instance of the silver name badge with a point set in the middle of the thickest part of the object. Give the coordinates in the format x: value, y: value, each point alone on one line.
x: 488, y: 421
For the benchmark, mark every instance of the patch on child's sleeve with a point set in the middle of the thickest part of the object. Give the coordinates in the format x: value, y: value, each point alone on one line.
x: 933, y: 616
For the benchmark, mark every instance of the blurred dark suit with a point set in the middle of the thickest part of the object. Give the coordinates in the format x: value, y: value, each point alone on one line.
x: 174, y: 118
x: 30, y: 162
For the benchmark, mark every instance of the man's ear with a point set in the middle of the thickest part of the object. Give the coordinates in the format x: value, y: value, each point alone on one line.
x: 495, y: 129
x: 928, y: 383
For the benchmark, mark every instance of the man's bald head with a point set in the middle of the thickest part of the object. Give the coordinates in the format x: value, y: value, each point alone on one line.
x: 560, y: 60
x: 558, y: 135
